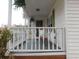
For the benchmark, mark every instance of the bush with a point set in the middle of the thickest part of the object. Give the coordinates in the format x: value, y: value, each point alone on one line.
x: 5, y: 36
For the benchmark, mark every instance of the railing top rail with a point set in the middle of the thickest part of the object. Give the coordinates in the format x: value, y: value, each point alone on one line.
x: 38, y: 27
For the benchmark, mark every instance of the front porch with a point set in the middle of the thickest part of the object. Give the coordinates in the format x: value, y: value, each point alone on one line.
x: 50, y: 39
x: 45, y: 33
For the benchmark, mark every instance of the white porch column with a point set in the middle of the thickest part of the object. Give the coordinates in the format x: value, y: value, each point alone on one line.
x: 9, y: 12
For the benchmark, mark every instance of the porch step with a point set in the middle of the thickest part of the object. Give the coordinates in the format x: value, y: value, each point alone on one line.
x: 41, y: 57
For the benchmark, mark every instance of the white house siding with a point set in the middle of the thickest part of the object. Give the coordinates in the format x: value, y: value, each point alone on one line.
x: 72, y: 21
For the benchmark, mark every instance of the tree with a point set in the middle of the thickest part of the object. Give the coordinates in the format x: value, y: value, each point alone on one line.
x: 5, y: 36
x: 19, y: 3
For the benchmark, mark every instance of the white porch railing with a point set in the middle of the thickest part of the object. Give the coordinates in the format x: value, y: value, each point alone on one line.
x: 37, y: 39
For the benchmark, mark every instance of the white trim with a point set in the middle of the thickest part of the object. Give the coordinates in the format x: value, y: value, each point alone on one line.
x: 36, y: 51
x: 37, y: 27
x: 39, y: 54
x: 9, y: 12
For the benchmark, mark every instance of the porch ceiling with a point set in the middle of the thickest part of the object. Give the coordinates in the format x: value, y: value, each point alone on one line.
x: 44, y: 6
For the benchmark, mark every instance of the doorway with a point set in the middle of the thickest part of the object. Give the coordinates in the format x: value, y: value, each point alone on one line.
x: 39, y: 23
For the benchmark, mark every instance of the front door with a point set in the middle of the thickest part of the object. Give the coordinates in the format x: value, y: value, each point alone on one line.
x: 39, y: 23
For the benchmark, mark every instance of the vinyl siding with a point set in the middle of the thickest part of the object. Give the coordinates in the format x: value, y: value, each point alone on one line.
x: 72, y: 21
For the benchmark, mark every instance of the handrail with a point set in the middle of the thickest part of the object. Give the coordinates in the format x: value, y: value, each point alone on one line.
x: 37, y: 27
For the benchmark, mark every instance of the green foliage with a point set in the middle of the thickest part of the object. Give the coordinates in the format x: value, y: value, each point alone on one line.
x: 19, y: 3
x: 5, y: 36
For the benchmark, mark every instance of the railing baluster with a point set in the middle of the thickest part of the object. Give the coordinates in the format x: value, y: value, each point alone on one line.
x: 22, y: 38
x: 31, y: 38
x: 26, y: 37
x: 56, y: 39
x: 35, y: 38
x: 53, y: 42
x: 39, y: 37
x: 48, y: 40
x: 17, y: 38
x: 43, y: 38
x: 62, y: 39
x: 64, y: 43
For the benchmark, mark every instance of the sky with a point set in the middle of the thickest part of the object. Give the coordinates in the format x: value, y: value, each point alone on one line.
x: 17, y: 14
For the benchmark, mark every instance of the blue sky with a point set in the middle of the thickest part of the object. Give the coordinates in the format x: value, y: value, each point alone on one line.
x: 17, y: 14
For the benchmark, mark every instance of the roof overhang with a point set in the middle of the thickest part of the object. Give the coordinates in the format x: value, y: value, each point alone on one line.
x: 38, y: 8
